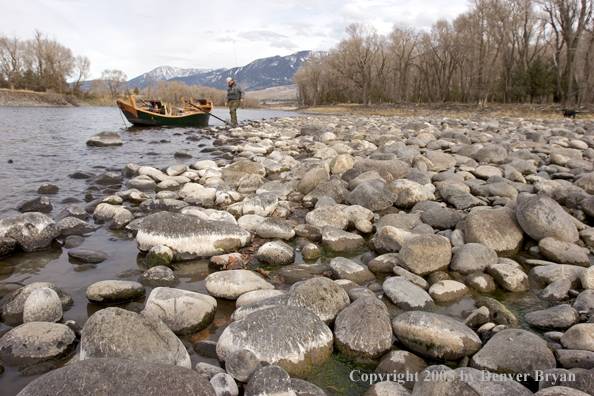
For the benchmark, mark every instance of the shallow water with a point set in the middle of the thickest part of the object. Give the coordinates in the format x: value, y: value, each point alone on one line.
x: 45, y: 145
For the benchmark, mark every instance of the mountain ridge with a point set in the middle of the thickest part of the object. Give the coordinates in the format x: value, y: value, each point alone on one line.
x: 260, y: 74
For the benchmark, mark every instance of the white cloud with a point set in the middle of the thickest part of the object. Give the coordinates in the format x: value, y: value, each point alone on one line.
x: 139, y: 35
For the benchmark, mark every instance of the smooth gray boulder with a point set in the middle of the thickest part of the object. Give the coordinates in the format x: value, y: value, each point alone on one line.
x: 114, y: 292
x: 242, y: 364
x: 447, y: 290
x: 275, y: 227
x: 262, y: 204
x: 405, y: 294
x: 327, y: 216
x: 435, y: 335
x: 389, y: 170
x: 74, y: 226
x: 466, y: 381
x: 36, y: 342
x: 184, y: 312
x: 13, y: 304
x: 43, y: 305
x: 401, y: 362
x: 276, y: 253
x: 563, y: 252
x: 105, y: 139
x: 291, y: 337
x: 425, y: 254
x: 32, y: 231
x: 372, y: 194
x: 270, y: 381
x: 322, y: 296
x: 343, y: 268
x: 119, y: 377
x: 88, y: 256
x: 387, y: 388
x: 473, y: 257
x: 508, y: 277
x: 579, y: 336
x: 232, y: 284
x: 541, y: 217
x: 159, y: 276
x: 559, y: 317
x: 495, y: 228
x: 514, y: 351
x: 224, y: 385
x: 363, y: 329
x: 118, y: 333
x: 190, y: 236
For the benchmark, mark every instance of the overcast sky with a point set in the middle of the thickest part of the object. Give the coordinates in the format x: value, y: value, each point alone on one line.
x: 137, y: 36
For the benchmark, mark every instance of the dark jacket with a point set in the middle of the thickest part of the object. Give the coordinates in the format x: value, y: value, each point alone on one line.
x: 234, y: 92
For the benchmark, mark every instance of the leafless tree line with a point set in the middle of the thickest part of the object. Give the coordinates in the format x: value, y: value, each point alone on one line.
x: 499, y: 50
x: 41, y: 64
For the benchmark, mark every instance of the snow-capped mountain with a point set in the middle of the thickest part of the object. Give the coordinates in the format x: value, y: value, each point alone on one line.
x: 259, y: 74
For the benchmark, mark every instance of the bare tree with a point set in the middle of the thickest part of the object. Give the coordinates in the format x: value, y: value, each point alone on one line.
x: 114, y: 81
x: 11, y: 58
x: 353, y: 58
x: 568, y: 19
x: 403, y: 44
x: 82, y: 71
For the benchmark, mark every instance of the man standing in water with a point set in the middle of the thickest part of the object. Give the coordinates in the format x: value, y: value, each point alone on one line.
x: 234, y: 99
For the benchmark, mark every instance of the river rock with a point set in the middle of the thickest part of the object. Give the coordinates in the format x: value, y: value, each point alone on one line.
x: 495, y: 228
x: 327, y: 216
x: 424, y: 254
x: 88, y: 256
x: 338, y: 240
x: 232, y: 284
x: 447, y: 290
x: 274, y: 227
x: 389, y: 170
x: 13, y: 304
x: 105, y: 139
x: 189, y: 236
x: 36, y: 342
x: 297, y: 272
x: 292, y: 337
x: 576, y: 359
x: 114, y: 292
x: 224, y: 384
x: 276, y: 253
x: 499, y: 313
x: 363, y: 329
x: 311, y: 179
x: 270, y: 380
x: 473, y: 257
x: 159, y: 276
x: 585, y: 302
x: 73, y: 226
x: 343, y: 268
x: 514, y: 351
x: 580, y: 336
x: 401, y: 362
x: 242, y: 364
x: 31, y: 231
x: 559, y: 317
x: 118, y: 377
x: 372, y: 194
x: 42, y: 305
x: 322, y: 296
x: 117, y: 333
x: 387, y: 388
x: 541, y: 217
x: 563, y: 252
x: 405, y: 294
x: 390, y: 239
x: 560, y: 391
x: 184, y: 312
x: 118, y: 215
x: 262, y: 205
x: 510, y: 278
x: 441, y: 218
x: 39, y: 204
x: 304, y: 388
x: 159, y: 255
x: 256, y: 295
x: 547, y: 274
x: 481, y: 282
x: 383, y: 264
x: 435, y: 335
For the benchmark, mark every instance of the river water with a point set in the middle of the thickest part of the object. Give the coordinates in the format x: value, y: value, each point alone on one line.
x: 46, y: 145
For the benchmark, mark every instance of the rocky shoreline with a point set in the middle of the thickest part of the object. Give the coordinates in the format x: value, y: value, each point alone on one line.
x: 366, y: 224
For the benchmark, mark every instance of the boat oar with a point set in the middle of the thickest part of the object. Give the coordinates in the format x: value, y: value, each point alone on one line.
x: 201, y: 109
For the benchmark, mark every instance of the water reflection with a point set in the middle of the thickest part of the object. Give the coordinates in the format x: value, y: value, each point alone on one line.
x: 28, y: 263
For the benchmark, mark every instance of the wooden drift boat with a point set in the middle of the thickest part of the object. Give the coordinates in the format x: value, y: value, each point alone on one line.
x: 155, y: 113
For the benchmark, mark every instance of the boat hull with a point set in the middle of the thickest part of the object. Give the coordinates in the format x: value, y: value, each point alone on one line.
x: 141, y: 117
